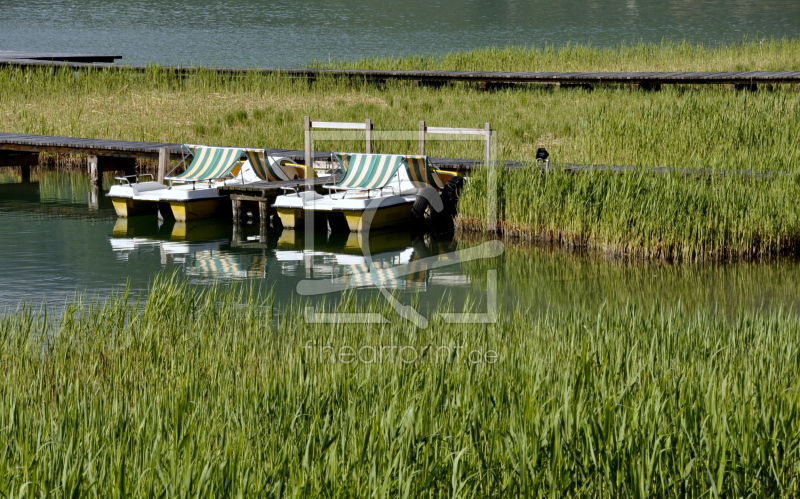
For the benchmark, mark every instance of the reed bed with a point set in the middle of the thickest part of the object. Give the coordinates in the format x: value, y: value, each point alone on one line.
x: 681, y: 127
x: 673, y: 217
x: 207, y: 392
x: 684, y: 126
x: 749, y: 55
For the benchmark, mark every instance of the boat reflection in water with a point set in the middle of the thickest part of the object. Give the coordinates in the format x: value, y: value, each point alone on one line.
x: 212, y: 250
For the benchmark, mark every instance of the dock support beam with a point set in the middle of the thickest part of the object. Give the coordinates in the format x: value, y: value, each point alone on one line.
x: 98, y: 164
x: 368, y: 130
x: 236, y: 209
x: 95, y: 171
x: 422, y: 130
x: 163, y: 163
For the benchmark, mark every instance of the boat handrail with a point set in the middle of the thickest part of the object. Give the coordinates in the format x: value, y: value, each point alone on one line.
x: 126, y: 178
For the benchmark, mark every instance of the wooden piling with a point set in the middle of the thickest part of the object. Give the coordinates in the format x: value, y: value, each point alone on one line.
x: 422, y: 130
x: 95, y: 173
x: 236, y: 210
x: 163, y: 163
x: 368, y: 130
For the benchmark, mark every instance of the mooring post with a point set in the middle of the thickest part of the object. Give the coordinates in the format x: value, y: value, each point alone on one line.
x: 307, y: 142
x: 163, y: 163
x: 236, y: 210
x: 95, y: 171
x: 487, y: 146
x: 263, y: 212
x: 368, y: 130
x: 422, y: 138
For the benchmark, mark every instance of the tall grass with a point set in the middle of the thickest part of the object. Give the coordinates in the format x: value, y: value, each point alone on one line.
x: 749, y: 55
x: 207, y: 393
x: 684, y: 127
x: 639, y: 214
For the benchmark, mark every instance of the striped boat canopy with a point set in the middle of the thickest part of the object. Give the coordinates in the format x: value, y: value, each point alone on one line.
x: 366, y: 171
x: 421, y: 173
x: 209, y: 163
x: 264, y: 168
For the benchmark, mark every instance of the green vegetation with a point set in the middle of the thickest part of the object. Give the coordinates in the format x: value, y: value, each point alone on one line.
x: 684, y: 127
x: 207, y: 393
x: 639, y: 214
x: 750, y: 55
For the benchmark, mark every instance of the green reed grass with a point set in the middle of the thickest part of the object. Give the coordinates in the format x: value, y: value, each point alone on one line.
x: 640, y: 214
x: 191, y: 393
x: 682, y: 127
x: 749, y: 55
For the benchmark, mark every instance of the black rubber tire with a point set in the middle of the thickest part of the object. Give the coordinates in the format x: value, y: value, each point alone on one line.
x: 426, y: 218
x: 450, y: 194
x: 422, y: 211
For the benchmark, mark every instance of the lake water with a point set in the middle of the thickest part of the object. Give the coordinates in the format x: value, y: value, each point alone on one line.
x: 286, y: 33
x: 61, y: 237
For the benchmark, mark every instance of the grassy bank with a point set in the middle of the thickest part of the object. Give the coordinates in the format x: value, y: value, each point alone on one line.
x: 686, y: 126
x: 212, y: 394
x: 749, y: 55
x: 641, y: 215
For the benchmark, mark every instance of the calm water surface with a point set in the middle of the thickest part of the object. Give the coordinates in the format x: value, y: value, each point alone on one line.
x: 285, y: 33
x: 60, y: 237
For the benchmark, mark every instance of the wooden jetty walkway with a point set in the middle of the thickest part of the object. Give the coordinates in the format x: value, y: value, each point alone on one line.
x: 22, y: 150
x: 644, y: 80
x: 47, y: 58
x: 119, y: 155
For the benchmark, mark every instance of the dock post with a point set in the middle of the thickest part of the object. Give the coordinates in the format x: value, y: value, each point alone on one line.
x: 263, y: 212
x: 491, y: 181
x: 487, y: 145
x: 236, y: 210
x: 163, y: 163
x: 368, y: 130
x: 422, y: 138
x: 307, y: 142
x: 95, y: 170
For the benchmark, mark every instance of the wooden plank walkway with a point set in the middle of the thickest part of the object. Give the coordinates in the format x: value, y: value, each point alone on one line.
x: 17, y: 142
x: 487, y: 79
x: 35, y: 57
x: 12, y: 145
x: 72, y: 145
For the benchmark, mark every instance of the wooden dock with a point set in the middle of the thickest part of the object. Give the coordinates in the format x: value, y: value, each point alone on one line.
x: 487, y: 80
x: 48, y: 58
x: 117, y: 155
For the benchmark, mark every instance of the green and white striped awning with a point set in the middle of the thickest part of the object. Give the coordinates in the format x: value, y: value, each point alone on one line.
x: 209, y: 163
x: 264, y: 168
x: 421, y: 173
x: 367, y: 171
